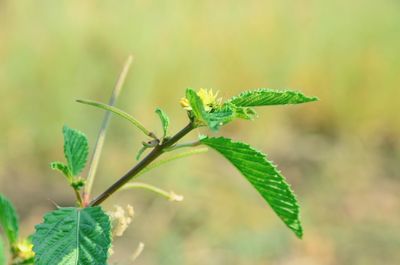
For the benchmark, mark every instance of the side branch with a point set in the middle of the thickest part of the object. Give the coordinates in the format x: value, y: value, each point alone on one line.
x: 156, y: 152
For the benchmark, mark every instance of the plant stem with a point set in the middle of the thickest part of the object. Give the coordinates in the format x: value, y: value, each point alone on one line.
x: 137, y: 252
x: 118, y: 112
x: 103, y: 130
x: 156, y: 152
x: 170, y: 195
x: 183, y: 145
x: 172, y: 158
x: 79, y: 197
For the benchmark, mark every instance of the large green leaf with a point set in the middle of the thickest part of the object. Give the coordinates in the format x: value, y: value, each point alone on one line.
x: 9, y: 219
x: 264, y: 176
x: 2, y: 254
x: 265, y: 97
x: 73, y: 236
x: 76, y: 149
x: 214, y: 119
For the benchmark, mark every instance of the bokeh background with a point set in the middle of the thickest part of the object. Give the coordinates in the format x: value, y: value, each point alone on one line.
x: 341, y: 154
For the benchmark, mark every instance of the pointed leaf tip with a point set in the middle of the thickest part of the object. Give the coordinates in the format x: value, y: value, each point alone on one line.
x: 264, y: 177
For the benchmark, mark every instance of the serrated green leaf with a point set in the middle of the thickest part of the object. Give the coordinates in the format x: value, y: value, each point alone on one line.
x: 76, y: 149
x: 214, y: 119
x: 265, y: 97
x: 9, y: 220
x: 63, y: 168
x: 264, y: 176
x: 2, y: 253
x: 164, y: 120
x: 71, y: 236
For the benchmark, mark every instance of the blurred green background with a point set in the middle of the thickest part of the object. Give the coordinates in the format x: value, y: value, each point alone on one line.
x: 341, y: 154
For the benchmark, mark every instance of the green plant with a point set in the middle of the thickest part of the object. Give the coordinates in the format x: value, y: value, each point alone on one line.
x: 82, y: 234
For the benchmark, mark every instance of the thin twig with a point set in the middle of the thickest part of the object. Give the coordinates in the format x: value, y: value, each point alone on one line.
x: 183, y: 145
x: 103, y: 130
x: 170, y: 195
x: 172, y: 158
x: 79, y: 197
x: 118, y: 112
x: 137, y: 252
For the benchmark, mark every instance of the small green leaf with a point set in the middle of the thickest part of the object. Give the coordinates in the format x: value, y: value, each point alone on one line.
x: 164, y: 120
x: 78, y: 183
x: 265, y: 97
x: 70, y: 236
x: 214, y: 119
x: 244, y: 112
x: 9, y: 220
x: 220, y: 117
x: 76, y: 150
x: 197, y: 106
x: 264, y: 176
x: 2, y: 254
x: 63, y: 168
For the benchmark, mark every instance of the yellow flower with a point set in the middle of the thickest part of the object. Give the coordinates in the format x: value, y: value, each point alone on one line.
x: 24, y: 249
x: 208, y: 98
x: 185, y: 104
